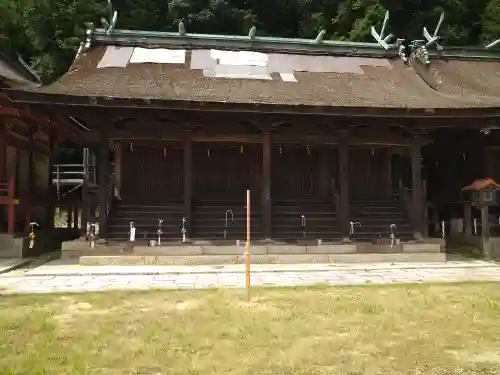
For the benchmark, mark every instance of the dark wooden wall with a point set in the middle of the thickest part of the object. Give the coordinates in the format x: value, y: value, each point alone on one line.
x: 300, y: 172
x: 369, y: 173
x: 152, y: 174
x: 225, y: 171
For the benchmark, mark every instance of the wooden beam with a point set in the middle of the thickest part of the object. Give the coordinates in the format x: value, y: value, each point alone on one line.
x: 299, y: 138
x: 346, y: 120
x: 266, y: 186
x: 24, y: 144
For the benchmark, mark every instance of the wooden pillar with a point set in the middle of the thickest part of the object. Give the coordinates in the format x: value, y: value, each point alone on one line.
x: 52, y: 207
x: 85, y: 192
x: 3, y: 166
x: 425, y: 213
x: 69, y: 218
x: 324, y: 173
x: 31, y: 183
x: 468, y: 219
x: 104, y: 172
x: 3, y: 151
x: 188, y: 182
x: 31, y: 165
x: 485, y: 233
x: 75, y: 217
x: 343, y: 209
x: 417, y: 198
x: 84, y: 198
x: 266, y: 186
x: 11, y: 216
x: 387, y: 152
x: 118, y: 169
x: 435, y: 219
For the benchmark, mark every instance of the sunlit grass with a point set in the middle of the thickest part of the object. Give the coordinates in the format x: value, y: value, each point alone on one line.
x: 421, y: 329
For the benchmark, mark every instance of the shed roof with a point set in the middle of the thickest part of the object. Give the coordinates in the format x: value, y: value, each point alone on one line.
x: 482, y: 184
x: 15, y: 72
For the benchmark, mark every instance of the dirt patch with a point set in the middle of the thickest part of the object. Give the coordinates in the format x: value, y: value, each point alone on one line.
x: 483, y: 357
x: 72, y: 310
x: 256, y: 305
x: 188, y: 305
x: 169, y: 306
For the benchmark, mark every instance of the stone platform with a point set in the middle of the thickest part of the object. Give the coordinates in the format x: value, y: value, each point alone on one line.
x: 260, y: 254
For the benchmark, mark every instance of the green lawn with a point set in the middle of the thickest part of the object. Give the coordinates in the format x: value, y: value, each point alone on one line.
x: 422, y: 329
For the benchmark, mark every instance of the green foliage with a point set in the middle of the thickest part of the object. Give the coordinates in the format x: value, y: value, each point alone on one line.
x: 491, y: 21
x: 47, y: 32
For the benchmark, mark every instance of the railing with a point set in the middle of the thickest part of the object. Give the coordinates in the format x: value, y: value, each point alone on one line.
x: 73, y: 174
x: 4, y: 189
x: 111, y: 190
x: 7, y: 192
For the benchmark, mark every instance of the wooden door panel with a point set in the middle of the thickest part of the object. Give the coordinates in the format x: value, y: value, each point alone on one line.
x: 225, y: 171
x: 300, y: 172
x: 369, y: 173
x: 152, y: 174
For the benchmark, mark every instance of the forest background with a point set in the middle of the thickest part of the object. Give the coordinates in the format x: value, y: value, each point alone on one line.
x: 46, y: 33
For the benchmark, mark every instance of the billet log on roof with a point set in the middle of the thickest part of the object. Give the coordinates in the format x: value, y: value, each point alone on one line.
x: 116, y: 66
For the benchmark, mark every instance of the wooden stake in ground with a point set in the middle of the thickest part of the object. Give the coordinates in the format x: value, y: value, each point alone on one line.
x: 247, y: 252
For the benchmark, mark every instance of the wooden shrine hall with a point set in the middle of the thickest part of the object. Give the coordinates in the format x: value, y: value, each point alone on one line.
x: 327, y: 135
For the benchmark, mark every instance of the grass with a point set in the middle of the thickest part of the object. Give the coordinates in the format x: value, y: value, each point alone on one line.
x: 417, y: 329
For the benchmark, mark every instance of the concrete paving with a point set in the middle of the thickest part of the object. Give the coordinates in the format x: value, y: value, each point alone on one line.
x: 60, y: 277
x: 9, y: 264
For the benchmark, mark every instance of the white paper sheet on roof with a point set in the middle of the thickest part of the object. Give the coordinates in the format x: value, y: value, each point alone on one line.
x: 115, y: 57
x: 212, y: 74
x: 288, y: 77
x: 240, y: 69
x: 239, y: 57
x: 158, y: 56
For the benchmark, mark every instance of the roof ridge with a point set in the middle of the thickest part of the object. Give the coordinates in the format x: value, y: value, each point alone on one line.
x: 382, y: 47
x: 156, y: 39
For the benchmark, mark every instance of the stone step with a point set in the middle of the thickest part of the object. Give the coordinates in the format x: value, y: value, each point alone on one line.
x: 261, y: 259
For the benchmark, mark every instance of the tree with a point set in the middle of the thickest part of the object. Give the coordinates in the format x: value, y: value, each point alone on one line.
x: 491, y: 21
x: 47, y: 32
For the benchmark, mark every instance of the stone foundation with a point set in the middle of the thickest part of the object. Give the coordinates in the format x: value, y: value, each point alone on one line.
x: 260, y: 254
x: 136, y: 260
x: 46, y: 241
x: 10, y: 247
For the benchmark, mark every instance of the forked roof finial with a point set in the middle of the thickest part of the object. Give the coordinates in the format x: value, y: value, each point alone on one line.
x: 434, y: 39
x: 380, y: 37
x: 112, y: 16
